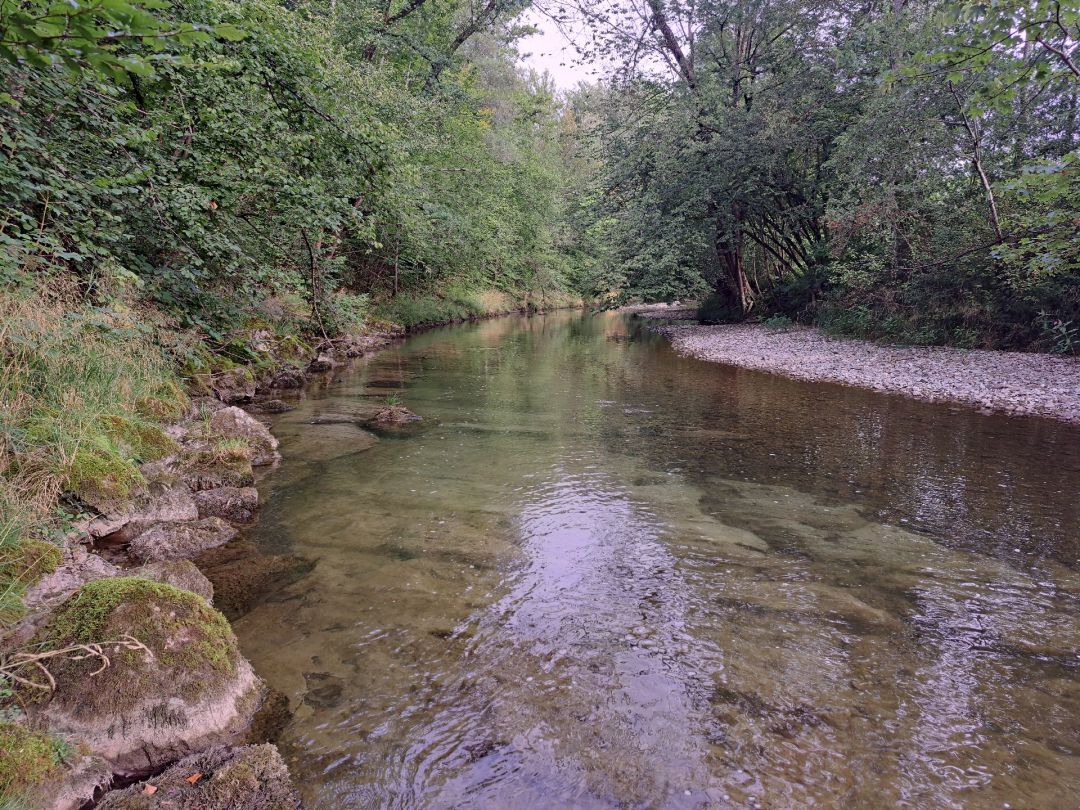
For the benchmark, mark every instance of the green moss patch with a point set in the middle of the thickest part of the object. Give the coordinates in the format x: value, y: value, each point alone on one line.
x: 192, y: 644
x: 27, y: 758
x: 139, y: 439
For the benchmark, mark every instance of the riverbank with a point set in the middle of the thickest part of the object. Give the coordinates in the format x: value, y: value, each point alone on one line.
x: 125, y: 625
x: 1005, y: 382
x: 160, y: 522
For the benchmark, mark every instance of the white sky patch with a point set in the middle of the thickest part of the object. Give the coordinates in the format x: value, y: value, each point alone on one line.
x: 551, y: 52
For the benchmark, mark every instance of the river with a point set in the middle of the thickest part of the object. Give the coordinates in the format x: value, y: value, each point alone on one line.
x: 605, y: 576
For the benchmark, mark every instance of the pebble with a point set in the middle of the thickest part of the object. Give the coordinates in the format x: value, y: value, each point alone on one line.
x: 1009, y: 382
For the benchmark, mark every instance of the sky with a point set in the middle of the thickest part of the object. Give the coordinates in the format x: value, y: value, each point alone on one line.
x: 550, y: 51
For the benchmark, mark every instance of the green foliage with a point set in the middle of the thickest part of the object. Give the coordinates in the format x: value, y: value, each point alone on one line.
x: 778, y: 323
x: 901, y: 171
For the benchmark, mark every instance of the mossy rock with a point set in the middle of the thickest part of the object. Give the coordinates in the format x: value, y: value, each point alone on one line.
x: 187, y: 689
x: 138, y: 438
x: 253, y: 777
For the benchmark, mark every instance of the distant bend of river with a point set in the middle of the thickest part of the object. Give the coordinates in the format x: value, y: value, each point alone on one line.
x: 604, y: 576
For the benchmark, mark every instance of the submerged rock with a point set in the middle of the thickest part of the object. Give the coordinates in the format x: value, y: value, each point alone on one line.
x: 253, y: 777
x: 179, y: 541
x: 241, y: 574
x: 236, y: 423
x: 323, y: 442
x: 173, y: 682
x: 237, y: 504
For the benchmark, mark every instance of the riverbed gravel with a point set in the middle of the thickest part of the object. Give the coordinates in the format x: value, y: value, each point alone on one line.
x: 994, y: 381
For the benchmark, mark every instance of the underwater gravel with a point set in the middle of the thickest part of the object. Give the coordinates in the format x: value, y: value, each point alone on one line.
x: 1007, y: 382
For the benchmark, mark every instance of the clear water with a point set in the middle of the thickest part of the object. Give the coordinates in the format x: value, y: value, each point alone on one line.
x: 608, y: 577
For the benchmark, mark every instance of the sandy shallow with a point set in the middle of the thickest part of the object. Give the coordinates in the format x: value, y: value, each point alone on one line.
x: 1007, y: 382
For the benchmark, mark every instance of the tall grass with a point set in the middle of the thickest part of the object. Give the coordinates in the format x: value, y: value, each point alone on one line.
x: 83, y: 392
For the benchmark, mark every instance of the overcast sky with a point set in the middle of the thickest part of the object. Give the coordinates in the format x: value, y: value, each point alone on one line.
x: 550, y: 51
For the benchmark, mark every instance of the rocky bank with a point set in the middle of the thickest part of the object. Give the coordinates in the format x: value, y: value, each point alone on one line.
x: 125, y: 658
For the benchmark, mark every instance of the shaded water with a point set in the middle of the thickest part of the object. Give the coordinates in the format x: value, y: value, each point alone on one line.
x: 607, y: 576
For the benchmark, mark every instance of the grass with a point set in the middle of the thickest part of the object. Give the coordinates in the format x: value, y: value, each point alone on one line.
x: 26, y: 759
x: 83, y: 392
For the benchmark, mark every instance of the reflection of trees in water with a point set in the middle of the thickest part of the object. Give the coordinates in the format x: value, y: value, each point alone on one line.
x: 992, y: 484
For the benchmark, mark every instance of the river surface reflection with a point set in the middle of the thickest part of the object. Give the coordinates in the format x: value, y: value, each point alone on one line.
x: 604, y: 576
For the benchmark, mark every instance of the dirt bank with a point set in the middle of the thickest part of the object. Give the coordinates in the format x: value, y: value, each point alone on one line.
x: 1007, y: 382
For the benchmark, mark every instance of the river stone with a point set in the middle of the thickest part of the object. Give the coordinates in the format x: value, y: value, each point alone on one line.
x: 395, y: 415
x: 241, y: 574
x: 253, y: 777
x: 235, y: 423
x: 288, y: 377
x: 180, y: 574
x: 74, y: 785
x: 234, y: 385
x: 176, y: 541
x: 237, y: 504
x: 187, y: 689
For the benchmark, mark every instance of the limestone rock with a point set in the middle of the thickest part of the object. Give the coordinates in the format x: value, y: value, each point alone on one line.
x: 234, y: 385
x: 237, y: 504
x: 187, y: 687
x: 179, y: 541
x: 180, y: 574
x: 235, y: 423
x: 233, y: 473
x: 253, y: 777
x: 76, y: 568
x: 171, y: 505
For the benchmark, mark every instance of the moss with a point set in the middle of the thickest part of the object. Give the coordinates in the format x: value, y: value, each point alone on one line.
x: 192, y: 643
x: 28, y: 561
x: 86, y: 616
x: 139, y: 439
x: 167, y: 403
x: 27, y: 758
x: 98, y: 472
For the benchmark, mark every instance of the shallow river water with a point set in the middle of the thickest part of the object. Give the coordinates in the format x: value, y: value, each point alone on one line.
x: 604, y: 576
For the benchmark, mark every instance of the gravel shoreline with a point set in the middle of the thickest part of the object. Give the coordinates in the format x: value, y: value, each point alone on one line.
x: 1006, y: 382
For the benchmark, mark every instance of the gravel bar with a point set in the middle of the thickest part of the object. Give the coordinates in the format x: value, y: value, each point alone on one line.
x: 1007, y: 382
